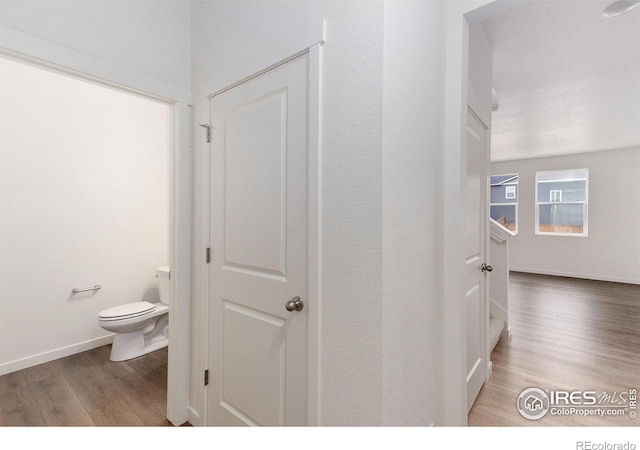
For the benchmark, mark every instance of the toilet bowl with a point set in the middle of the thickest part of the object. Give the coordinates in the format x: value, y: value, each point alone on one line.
x: 139, y: 327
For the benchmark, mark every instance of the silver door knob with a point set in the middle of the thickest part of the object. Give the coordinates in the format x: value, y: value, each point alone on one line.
x: 486, y: 268
x: 295, y: 304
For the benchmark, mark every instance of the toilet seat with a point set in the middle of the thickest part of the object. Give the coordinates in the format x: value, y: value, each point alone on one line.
x: 127, y: 311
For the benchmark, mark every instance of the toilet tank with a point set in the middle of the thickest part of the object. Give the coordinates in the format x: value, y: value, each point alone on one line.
x: 162, y: 273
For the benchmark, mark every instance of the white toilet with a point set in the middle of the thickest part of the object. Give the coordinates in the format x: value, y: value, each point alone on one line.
x: 139, y: 327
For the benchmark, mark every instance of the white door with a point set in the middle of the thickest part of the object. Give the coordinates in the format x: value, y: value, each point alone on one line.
x: 476, y: 236
x: 258, y: 334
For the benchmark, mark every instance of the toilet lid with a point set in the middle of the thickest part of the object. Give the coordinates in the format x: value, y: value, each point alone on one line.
x: 129, y: 310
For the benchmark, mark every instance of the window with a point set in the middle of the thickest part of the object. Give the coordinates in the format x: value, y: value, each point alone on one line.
x: 504, y: 200
x: 555, y: 196
x: 562, y: 202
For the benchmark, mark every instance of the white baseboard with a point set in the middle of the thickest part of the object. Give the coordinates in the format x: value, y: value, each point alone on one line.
x: 575, y: 275
x: 194, y: 417
x: 41, y: 358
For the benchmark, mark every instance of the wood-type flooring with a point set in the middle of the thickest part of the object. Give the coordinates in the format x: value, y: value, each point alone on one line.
x: 567, y: 335
x: 87, y: 389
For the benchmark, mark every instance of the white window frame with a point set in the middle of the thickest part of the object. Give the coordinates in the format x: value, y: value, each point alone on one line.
x: 510, y: 192
x: 555, y: 196
x: 550, y: 176
x: 516, y: 186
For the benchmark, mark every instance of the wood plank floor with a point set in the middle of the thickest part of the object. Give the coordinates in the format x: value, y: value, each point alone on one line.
x: 87, y: 389
x: 566, y: 334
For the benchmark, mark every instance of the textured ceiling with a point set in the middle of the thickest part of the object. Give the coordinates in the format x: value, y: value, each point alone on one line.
x: 567, y: 79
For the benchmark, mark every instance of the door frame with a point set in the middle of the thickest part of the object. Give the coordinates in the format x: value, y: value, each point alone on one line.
x: 47, y: 55
x: 311, y: 44
x: 459, y: 16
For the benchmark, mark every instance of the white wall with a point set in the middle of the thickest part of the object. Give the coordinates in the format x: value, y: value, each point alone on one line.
x: 412, y: 213
x: 84, y: 200
x: 146, y: 37
x: 480, y: 73
x: 227, y: 33
x: 611, y: 252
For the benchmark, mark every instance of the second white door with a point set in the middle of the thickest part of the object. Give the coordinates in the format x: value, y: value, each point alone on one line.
x: 476, y: 237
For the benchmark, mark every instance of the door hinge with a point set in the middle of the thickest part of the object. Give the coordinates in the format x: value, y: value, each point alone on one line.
x: 208, y: 128
x: 206, y: 377
x: 208, y: 256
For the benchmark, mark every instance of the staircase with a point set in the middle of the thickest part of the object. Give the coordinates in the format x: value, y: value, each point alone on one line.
x: 499, y: 283
x: 496, y: 327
